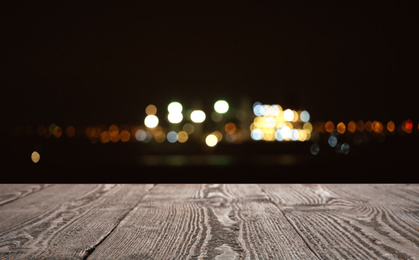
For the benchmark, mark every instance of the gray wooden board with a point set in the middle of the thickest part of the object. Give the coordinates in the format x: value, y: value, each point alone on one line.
x: 353, y: 221
x: 64, y: 221
x: 204, y: 222
x: 209, y: 221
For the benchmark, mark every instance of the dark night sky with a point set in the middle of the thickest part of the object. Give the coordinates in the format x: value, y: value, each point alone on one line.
x: 102, y: 63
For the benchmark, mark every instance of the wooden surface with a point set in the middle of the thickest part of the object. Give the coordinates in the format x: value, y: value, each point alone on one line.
x: 209, y: 221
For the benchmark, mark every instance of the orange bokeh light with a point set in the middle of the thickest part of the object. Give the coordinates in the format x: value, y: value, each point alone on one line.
x: 230, y: 128
x: 329, y: 126
x: 351, y: 127
x: 341, y: 128
x: 391, y: 126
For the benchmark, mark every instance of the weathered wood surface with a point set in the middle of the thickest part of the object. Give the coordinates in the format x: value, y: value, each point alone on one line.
x: 209, y: 221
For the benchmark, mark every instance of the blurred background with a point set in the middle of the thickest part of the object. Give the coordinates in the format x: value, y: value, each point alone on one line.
x: 78, y: 80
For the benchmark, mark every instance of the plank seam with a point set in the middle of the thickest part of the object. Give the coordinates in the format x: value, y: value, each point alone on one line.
x: 291, y: 224
x: 90, y: 250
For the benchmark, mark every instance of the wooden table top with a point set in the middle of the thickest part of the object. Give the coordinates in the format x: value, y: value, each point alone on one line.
x: 209, y: 221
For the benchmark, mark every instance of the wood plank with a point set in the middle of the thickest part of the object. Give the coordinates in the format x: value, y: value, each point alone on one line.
x: 192, y: 221
x: 64, y: 221
x: 351, y: 220
x: 11, y: 192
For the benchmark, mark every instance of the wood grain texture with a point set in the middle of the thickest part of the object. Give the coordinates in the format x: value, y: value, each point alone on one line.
x: 209, y: 221
x: 204, y: 222
x: 11, y: 192
x: 358, y: 221
x: 64, y: 221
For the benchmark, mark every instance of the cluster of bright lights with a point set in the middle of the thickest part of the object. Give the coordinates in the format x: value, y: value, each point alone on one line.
x: 273, y: 123
x: 175, y: 116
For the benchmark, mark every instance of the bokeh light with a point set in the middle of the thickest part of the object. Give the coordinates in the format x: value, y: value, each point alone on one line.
x: 188, y: 128
x: 159, y: 136
x: 256, y: 134
x: 182, y: 136
x: 105, y: 137
x: 391, y: 126
x: 35, y: 157
x: 288, y: 115
x: 151, y: 121
x: 329, y: 126
x: 151, y: 109
x: 125, y: 136
x: 70, y: 131
x: 332, y: 141
x: 408, y: 125
x: 175, y: 107
x: 351, y: 126
x: 345, y: 148
x: 172, y: 137
x: 175, y: 117
x: 341, y: 128
x: 221, y: 106
x: 198, y: 116
x: 230, y: 128
x: 211, y: 140
x: 314, y: 149
x: 304, y: 116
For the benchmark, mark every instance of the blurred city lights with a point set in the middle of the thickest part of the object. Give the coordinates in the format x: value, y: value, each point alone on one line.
x: 198, y: 116
x: 221, y: 106
x: 151, y: 121
x: 267, y: 123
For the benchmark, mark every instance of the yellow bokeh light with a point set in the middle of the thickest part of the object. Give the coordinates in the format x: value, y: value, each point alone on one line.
x: 151, y: 109
x: 151, y: 121
x: 219, y: 135
x: 308, y: 126
x: 341, y: 128
x: 35, y: 156
x: 182, y: 137
x: 295, y: 118
x: 211, y: 140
